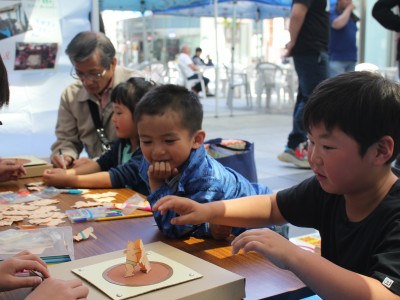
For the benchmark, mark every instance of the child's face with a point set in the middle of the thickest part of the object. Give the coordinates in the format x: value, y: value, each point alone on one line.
x: 162, y: 139
x: 123, y: 122
x: 335, y: 159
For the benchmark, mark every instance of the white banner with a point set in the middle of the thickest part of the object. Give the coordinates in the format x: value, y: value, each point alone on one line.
x: 33, y: 38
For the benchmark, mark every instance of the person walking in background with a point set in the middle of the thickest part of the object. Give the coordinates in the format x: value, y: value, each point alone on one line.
x: 383, y: 13
x: 199, y: 61
x: 95, y: 67
x: 342, y: 40
x: 309, y: 34
x: 190, y: 70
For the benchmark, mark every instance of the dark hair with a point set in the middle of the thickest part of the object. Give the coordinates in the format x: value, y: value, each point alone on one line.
x: 364, y: 105
x: 87, y: 43
x: 129, y: 93
x: 172, y: 97
x: 198, y: 49
x: 4, y: 86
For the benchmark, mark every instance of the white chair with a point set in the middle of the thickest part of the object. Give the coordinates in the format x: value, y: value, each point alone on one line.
x: 271, y: 77
x: 189, y: 83
x: 239, y: 80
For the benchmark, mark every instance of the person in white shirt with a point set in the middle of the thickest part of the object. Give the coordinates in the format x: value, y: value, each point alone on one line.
x: 191, y: 70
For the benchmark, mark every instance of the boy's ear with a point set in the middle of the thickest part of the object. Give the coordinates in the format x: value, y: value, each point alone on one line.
x: 199, y: 138
x: 384, y: 149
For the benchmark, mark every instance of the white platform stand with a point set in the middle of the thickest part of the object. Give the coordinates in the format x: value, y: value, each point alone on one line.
x: 216, y: 283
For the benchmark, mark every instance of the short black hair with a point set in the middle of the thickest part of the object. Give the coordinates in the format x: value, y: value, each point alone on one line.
x: 4, y: 85
x: 198, y: 49
x: 130, y: 92
x: 172, y: 97
x: 87, y: 43
x: 364, y: 105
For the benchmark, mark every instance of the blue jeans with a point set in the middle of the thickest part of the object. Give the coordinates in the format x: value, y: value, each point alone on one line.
x: 311, y: 70
x: 337, y: 67
x: 197, y: 86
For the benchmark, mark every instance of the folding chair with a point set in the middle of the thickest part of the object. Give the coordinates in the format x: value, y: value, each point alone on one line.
x: 239, y: 79
x: 189, y: 83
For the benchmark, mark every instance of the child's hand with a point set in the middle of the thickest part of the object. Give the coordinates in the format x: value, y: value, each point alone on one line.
x: 220, y: 232
x: 81, y: 161
x: 268, y: 243
x: 59, y: 289
x: 162, y: 170
x: 18, y: 263
x: 190, y: 212
x: 159, y: 172
x: 55, y: 177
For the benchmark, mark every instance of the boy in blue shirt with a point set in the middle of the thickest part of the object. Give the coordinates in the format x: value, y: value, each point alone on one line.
x: 353, y: 200
x: 169, y: 120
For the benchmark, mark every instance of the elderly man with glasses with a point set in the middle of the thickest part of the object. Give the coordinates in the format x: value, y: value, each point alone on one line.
x: 95, y: 67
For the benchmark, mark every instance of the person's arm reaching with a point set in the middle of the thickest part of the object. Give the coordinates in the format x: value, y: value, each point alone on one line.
x: 251, y: 211
x: 59, y: 178
x: 325, y: 278
x: 89, y: 166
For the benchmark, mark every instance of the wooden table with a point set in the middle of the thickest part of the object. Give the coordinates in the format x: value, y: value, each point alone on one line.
x: 263, y: 279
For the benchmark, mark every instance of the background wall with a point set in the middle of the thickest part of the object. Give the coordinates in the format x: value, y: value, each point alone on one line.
x: 29, y: 121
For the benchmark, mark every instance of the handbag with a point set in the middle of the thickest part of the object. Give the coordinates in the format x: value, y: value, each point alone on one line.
x: 235, y: 154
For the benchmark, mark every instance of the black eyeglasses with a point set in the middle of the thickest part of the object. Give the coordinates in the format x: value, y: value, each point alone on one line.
x: 91, y: 77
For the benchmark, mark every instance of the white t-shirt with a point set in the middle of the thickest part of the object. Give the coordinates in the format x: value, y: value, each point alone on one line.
x: 184, y: 61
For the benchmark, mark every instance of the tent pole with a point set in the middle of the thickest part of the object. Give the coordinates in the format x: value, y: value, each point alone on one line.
x: 217, y: 65
x: 144, y: 31
x: 233, y: 54
x: 95, y: 16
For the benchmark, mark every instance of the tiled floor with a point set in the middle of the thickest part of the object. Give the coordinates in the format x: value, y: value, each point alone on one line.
x: 268, y: 129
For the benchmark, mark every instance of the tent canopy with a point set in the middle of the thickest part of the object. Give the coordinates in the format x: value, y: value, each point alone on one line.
x: 252, y: 9
x: 247, y: 9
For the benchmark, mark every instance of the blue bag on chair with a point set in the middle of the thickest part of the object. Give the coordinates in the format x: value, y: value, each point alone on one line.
x: 235, y: 154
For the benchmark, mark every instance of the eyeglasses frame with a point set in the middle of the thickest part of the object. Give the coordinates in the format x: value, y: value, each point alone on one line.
x: 90, y: 77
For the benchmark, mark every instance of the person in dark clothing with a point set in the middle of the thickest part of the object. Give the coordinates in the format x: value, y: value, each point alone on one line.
x: 383, y: 13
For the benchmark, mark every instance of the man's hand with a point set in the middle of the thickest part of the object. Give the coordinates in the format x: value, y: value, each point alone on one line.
x: 62, y: 161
